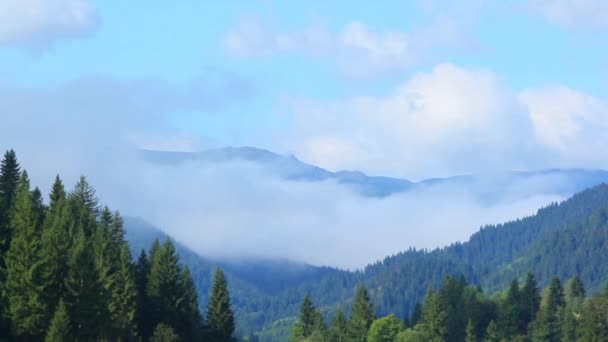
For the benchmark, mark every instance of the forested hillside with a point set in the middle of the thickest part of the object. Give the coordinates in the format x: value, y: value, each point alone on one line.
x: 458, y: 312
x: 66, y: 273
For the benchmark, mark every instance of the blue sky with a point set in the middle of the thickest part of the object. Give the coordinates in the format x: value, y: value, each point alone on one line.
x: 339, y: 84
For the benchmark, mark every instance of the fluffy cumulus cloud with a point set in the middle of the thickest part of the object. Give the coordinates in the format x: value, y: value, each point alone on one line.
x: 357, y: 50
x: 38, y: 24
x: 574, y: 13
x: 451, y: 120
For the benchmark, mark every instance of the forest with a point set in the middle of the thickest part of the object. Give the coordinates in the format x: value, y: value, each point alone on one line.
x: 457, y: 311
x: 67, y: 274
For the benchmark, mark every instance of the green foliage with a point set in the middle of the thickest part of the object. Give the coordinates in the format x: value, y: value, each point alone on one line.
x: 385, y: 329
x: 339, y: 327
x: 123, y: 296
x: 26, y: 283
x: 220, y: 317
x: 59, y: 330
x: 491, y: 334
x: 164, y: 333
x: 362, y: 316
x: 9, y: 181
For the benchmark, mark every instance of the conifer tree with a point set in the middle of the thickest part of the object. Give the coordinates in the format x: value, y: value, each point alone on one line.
x: 530, y: 301
x: 306, y: 318
x: 123, y: 296
x: 510, y: 320
x: 339, y: 327
x: 362, y: 315
x: 435, y: 317
x: 9, y: 181
x: 38, y: 208
x: 85, y: 206
x: 25, y: 277
x: 59, y: 330
x: 144, y: 316
x: 164, y: 333
x: 575, y: 289
x: 190, y: 315
x: 82, y: 289
x: 491, y: 334
x: 220, y: 317
x: 56, y: 243
x: 470, y: 332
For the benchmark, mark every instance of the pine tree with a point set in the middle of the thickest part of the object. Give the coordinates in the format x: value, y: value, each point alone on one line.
x: 163, y: 284
x: 85, y: 206
x: 25, y: 277
x: 339, y: 327
x: 492, y: 333
x: 510, y: 320
x: 123, y: 296
x: 164, y: 333
x: 59, y: 330
x: 144, y: 316
x: 9, y: 182
x: 575, y: 289
x: 219, y: 312
x: 470, y: 332
x: 435, y: 317
x: 82, y: 290
x: 38, y: 208
x: 362, y: 316
x: 530, y: 301
x: 306, y: 319
x: 56, y: 241
x: 190, y: 315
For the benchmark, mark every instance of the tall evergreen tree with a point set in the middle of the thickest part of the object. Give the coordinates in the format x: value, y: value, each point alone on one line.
x: 339, y: 327
x: 85, y: 206
x: 575, y: 289
x: 306, y: 318
x: 163, y: 283
x: 530, y: 301
x: 82, y: 292
x: 220, y: 317
x: 25, y: 277
x: 510, y: 312
x: 9, y: 181
x: 470, y: 332
x: 145, y: 323
x: 190, y: 315
x: 362, y: 315
x: 38, y: 208
x: 491, y: 334
x: 123, y: 297
x: 59, y: 330
x: 435, y: 317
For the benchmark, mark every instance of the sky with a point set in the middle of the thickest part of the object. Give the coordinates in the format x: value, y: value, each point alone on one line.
x: 414, y: 89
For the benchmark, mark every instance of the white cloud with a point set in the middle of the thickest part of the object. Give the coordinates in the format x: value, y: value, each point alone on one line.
x: 573, y: 13
x: 38, y: 24
x: 448, y: 121
x: 357, y: 50
x: 572, y: 124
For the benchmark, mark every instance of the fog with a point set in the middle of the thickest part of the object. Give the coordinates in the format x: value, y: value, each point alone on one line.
x: 232, y: 210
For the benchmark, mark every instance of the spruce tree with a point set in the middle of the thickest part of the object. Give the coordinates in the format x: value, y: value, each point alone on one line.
x: 306, y: 318
x: 85, y: 206
x: 59, y: 330
x: 9, y: 181
x: 144, y: 316
x: 220, y: 317
x: 123, y: 297
x: 164, y: 333
x: 86, y: 308
x: 491, y: 334
x: 470, y: 332
x: 190, y: 315
x: 38, y: 208
x: 435, y: 317
x: 530, y: 301
x: 575, y: 289
x: 362, y: 316
x: 339, y: 327
x: 25, y: 277
x: 56, y: 242
x: 510, y: 313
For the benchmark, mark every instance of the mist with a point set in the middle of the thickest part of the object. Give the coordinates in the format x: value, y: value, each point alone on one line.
x: 232, y: 210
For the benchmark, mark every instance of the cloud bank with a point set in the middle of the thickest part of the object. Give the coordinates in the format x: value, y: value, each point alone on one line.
x: 573, y: 13
x: 458, y: 120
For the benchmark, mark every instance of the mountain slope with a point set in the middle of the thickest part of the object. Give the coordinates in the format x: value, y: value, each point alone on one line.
x: 565, y: 239
x: 490, y: 188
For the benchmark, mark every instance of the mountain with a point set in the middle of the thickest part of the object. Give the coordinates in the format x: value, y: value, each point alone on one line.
x: 565, y: 239
x: 487, y: 187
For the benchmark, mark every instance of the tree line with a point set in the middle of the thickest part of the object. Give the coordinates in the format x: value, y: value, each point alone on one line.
x: 67, y: 274
x: 458, y: 311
